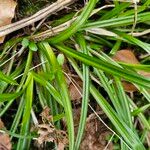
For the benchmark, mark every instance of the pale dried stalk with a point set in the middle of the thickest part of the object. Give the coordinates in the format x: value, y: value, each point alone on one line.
x: 51, y: 32
x: 53, y: 8
x: 100, y: 31
x: 55, y: 30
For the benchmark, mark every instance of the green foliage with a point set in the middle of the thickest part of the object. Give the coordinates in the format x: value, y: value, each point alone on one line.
x: 34, y: 78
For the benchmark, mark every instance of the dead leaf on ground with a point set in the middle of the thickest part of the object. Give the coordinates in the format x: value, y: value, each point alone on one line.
x: 95, y: 135
x: 49, y: 133
x: 62, y: 139
x: 74, y: 83
x: 76, y: 118
x: 46, y: 116
x: 127, y: 56
x: 5, y: 143
x: 75, y: 90
x: 46, y: 133
x: 7, y: 11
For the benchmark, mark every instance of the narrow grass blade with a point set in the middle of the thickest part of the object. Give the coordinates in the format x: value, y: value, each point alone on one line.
x: 76, y: 25
x: 18, y: 115
x: 7, y: 96
x: 133, y: 40
x: 141, y: 116
x: 125, y: 107
x: 42, y: 99
x: 110, y: 91
x: 62, y: 87
x: 115, y: 11
x: 106, y: 66
x: 48, y: 86
x: 135, y: 66
x: 24, y: 143
x: 85, y: 98
x: 120, y: 21
x: 141, y: 109
x: 7, y: 79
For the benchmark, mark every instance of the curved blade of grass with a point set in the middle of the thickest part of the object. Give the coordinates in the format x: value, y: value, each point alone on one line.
x: 27, y: 67
x: 106, y: 66
x: 141, y: 116
x: 42, y: 99
x: 116, y: 47
x: 17, y: 71
x: 54, y: 93
x: 141, y: 89
x: 18, y: 115
x: 8, y: 45
x: 46, y: 49
x: 76, y: 25
x: 49, y: 87
x: 120, y: 21
x: 125, y: 107
x: 115, y: 11
x: 7, y: 79
x: 110, y: 90
x: 98, y: 40
x: 141, y: 109
x: 136, y: 66
x: 145, y: 92
x: 9, y: 96
x: 24, y: 143
x: 135, y: 41
x: 140, y: 9
x: 123, y: 36
x: 85, y: 98
x: 18, y: 135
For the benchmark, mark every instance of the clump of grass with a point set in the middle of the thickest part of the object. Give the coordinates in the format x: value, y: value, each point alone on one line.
x: 34, y: 78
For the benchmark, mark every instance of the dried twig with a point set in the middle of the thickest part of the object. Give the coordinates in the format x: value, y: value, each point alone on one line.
x: 53, y: 8
x: 62, y: 27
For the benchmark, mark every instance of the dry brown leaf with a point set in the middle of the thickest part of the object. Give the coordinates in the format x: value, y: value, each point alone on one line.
x: 128, y: 87
x: 128, y: 56
x: 48, y: 133
x: 5, y: 143
x: 62, y: 139
x: 46, y: 117
x: 76, y: 118
x: 75, y: 90
x: 74, y: 83
x: 7, y: 11
x: 95, y: 135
